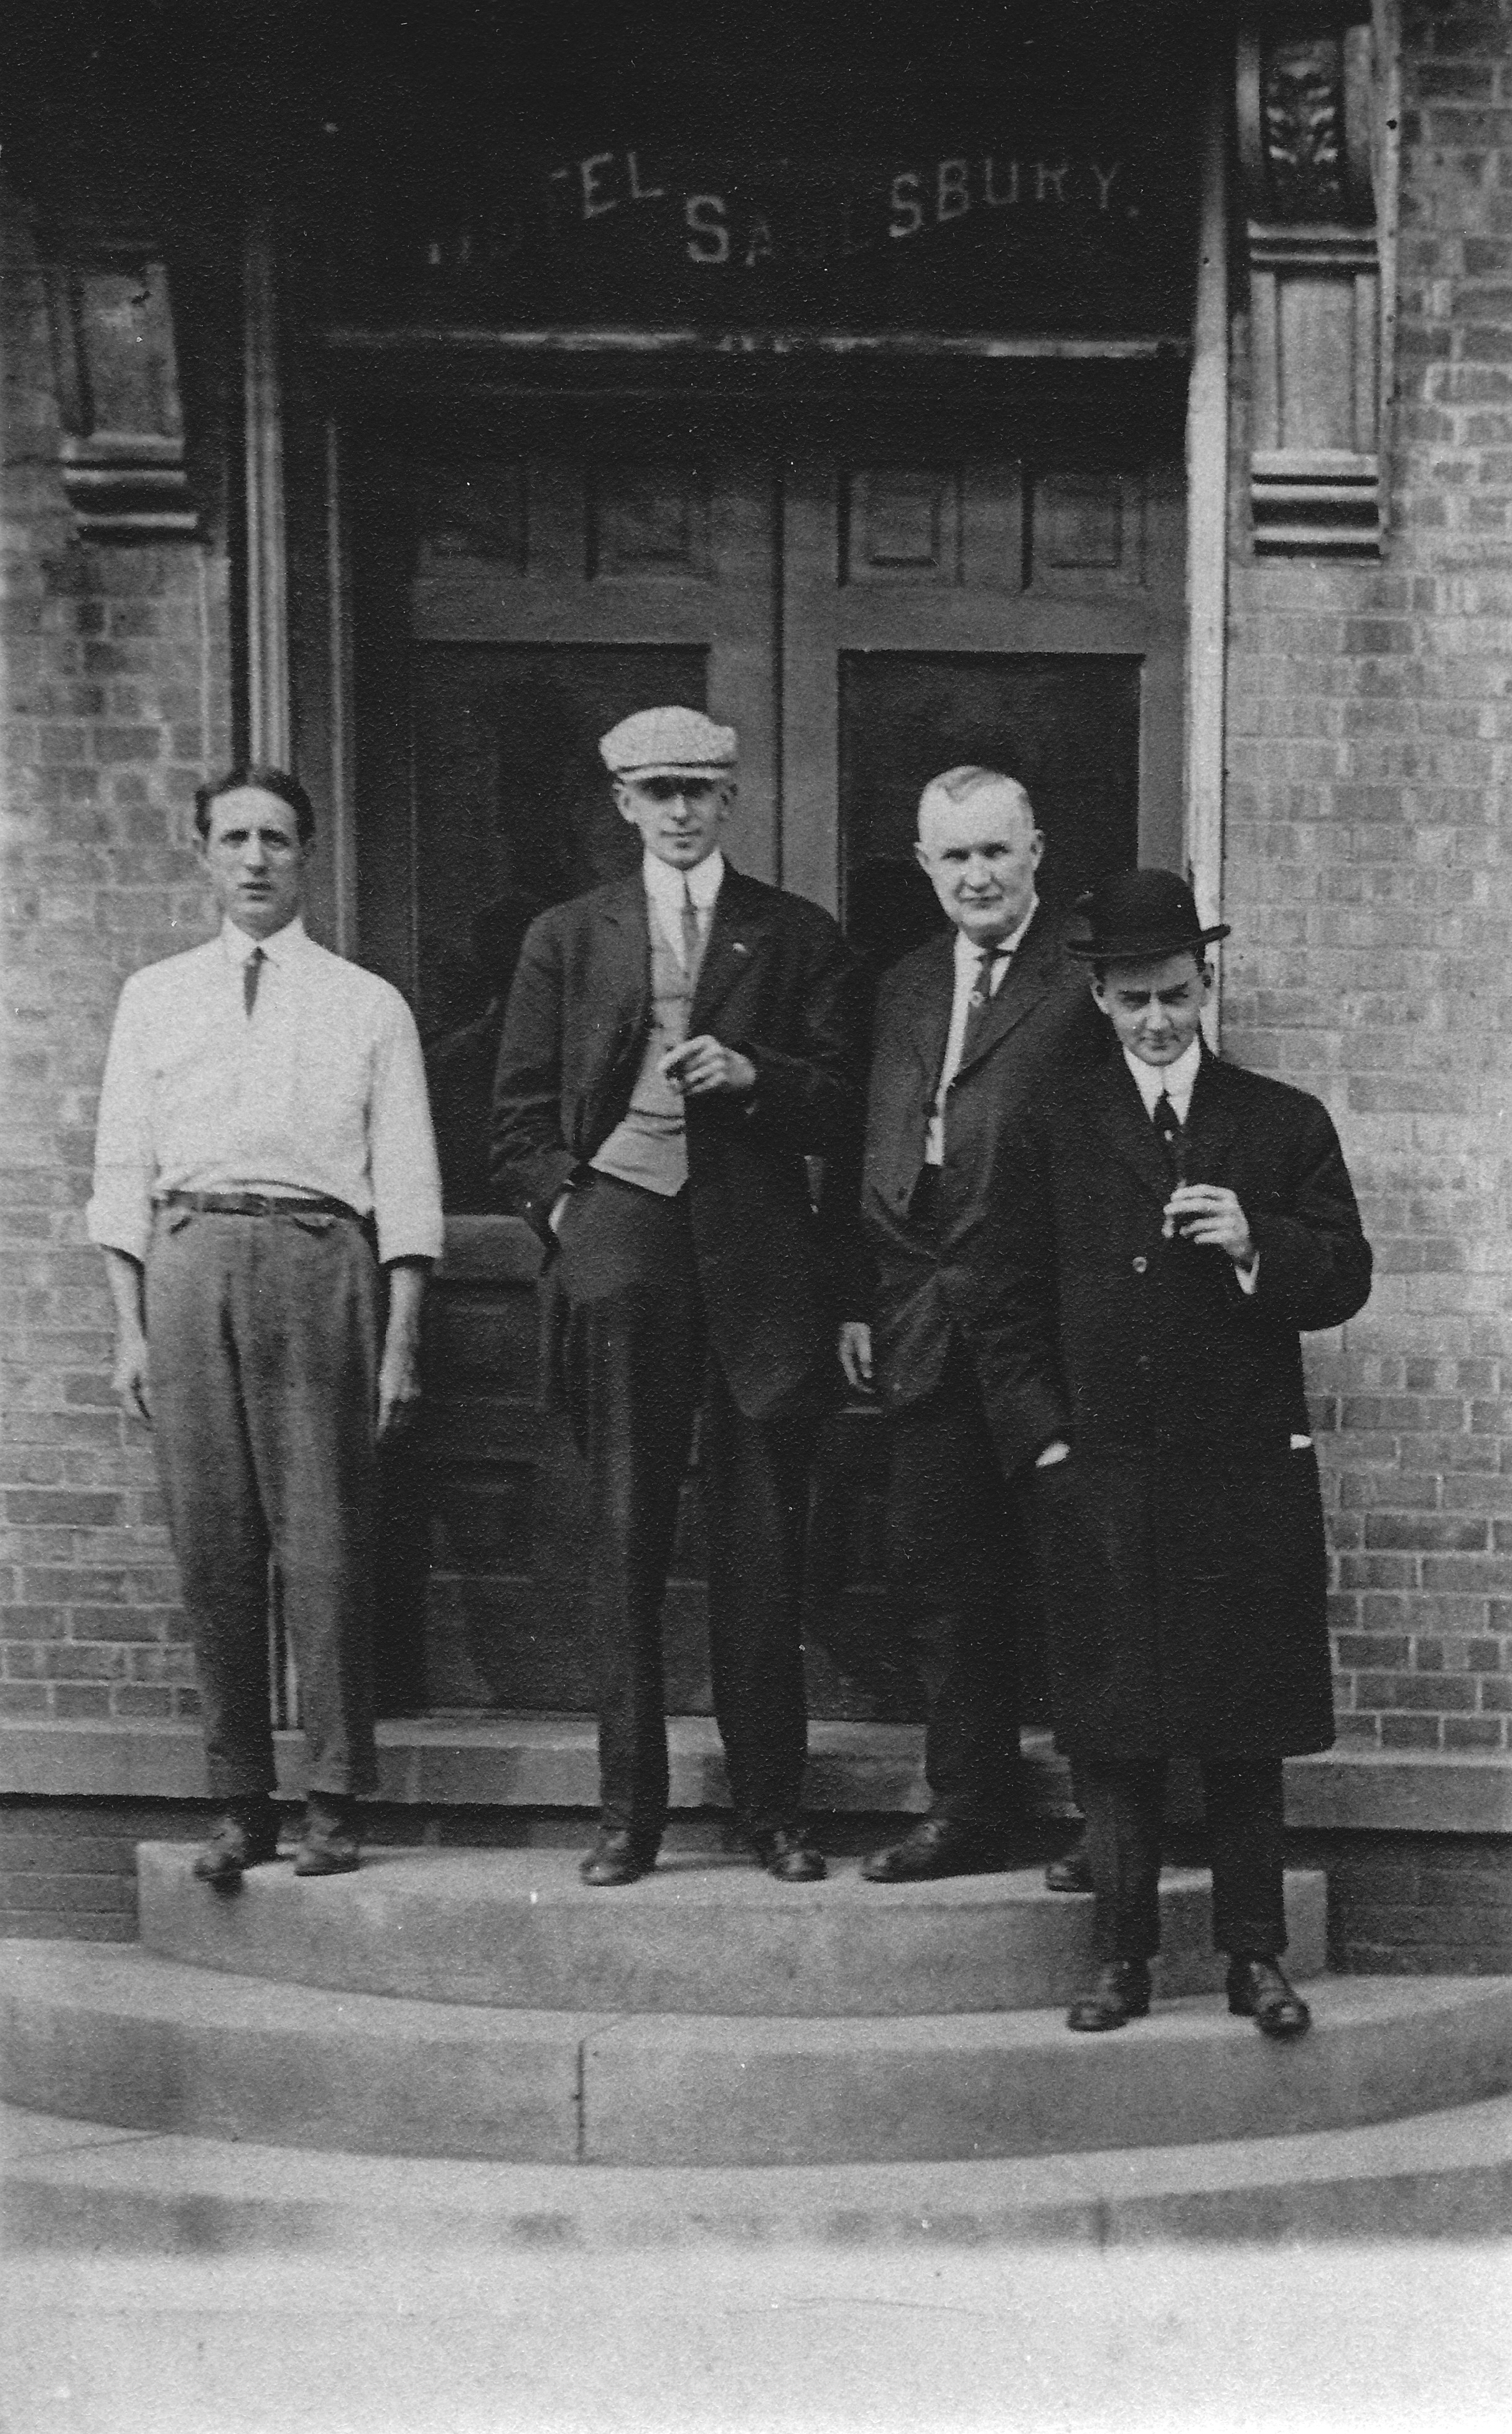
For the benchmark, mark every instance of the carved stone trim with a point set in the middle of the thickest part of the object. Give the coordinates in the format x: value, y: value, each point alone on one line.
x: 1318, y: 168
x: 122, y: 452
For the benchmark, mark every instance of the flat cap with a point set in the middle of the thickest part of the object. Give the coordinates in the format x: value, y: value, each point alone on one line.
x: 659, y: 743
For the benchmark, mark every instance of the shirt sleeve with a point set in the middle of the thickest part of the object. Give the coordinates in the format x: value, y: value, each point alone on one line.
x: 406, y: 1182
x: 119, y: 1216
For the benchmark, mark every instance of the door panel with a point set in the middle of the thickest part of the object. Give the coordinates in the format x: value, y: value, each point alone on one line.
x: 864, y: 620
x: 972, y: 556
x: 1067, y: 725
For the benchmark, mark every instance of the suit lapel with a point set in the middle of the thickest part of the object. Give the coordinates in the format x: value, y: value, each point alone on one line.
x: 738, y: 938
x: 1128, y: 1129
x: 928, y: 1011
x: 1028, y: 977
x: 1213, y: 1121
x: 622, y: 977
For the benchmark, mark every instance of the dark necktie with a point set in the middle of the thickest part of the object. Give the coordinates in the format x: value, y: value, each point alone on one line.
x: 979, y: 1005
x: 251, y: 974
x: 1168, y: 1125
x: 692, y: 942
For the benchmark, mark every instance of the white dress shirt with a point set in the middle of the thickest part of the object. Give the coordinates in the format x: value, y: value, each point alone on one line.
x: 321, y: 1091
x: 664, y: 888
x: 970, y: 963
x: 1177, y: 1082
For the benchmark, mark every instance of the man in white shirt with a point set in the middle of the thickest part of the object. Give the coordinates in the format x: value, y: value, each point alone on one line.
x: 965, y: 1025
x: 1168, y: 1225
x: 264, y: 1184
x: 676, y: 1045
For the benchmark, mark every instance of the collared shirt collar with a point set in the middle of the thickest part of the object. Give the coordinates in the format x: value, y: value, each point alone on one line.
x: 967, y: 951
x: 288, y: 941
x: 663, y: 885
x: 1177, y: 1081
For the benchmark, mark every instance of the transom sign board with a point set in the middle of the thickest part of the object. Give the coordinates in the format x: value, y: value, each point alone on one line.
x: 1090, y: 228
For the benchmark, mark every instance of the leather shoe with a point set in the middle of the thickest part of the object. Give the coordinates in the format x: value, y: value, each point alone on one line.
x: 617, y: 1858
x: 1073, y: 1872
x: 331, y: 1844
x: 244, y: 1838
x: 1259, y: 1991
x: 786, y: 1853
x: 1122, y: 1993
x: 937, y: 1846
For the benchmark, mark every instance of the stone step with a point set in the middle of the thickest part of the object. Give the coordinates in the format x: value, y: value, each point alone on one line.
x: 118, y: 2034
x: 69, y: 2187
x: 703, y: 1933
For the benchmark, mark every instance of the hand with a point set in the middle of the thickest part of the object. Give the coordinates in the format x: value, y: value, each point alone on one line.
x: 558, y: 1210
x: 1059, y: 1452
x: 855, y: 1355
x: 397, y: 1391
x: 1209, y: 1212
x: 128, y: 1379
x: 703, y: 1064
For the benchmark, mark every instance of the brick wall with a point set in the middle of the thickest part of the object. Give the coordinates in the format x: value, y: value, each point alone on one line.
x: 1370, y: 739
x: 117, y: 701
x: 1368, y: 881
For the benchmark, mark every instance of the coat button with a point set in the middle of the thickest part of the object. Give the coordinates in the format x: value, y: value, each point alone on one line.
x: 1141, y: 1264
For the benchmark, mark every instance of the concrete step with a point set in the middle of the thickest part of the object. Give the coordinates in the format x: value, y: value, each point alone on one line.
x: 704, y: 1933
x: 118, y: 2034
x: 69, y: 2189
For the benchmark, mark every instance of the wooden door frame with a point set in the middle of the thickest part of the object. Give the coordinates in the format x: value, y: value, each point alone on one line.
x: 297, y: 610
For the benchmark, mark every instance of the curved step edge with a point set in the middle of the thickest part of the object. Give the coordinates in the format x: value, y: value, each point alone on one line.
x: 517, y: 1929
x: 113, y: 2035
x: 65, y: 2186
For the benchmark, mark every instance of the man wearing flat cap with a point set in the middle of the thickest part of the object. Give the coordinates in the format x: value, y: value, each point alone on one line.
x: 1169, y: 1225
x: 676, y: 1045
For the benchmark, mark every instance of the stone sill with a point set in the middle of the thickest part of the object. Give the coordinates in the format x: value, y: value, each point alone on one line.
x: 549, y: 1762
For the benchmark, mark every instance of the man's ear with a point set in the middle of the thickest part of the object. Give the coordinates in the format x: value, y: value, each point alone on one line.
x: 921, y: 853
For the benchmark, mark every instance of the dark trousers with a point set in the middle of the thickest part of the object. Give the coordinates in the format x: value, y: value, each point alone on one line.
x: 961, y: 1575
x: 636, y: 1365
x: 262, y: 1337
x: 1124, y: 1806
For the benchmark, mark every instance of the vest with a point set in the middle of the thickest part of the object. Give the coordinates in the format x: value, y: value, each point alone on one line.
x: 649, y: 1147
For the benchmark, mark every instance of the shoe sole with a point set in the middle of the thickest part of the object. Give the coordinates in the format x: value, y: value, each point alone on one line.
x: 1284, y: 2032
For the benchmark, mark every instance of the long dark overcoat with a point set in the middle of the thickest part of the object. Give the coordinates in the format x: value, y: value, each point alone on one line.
x: 778, y: 983
x: 1182, y: 1541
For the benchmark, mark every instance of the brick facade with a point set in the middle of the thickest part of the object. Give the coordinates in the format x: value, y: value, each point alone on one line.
x: 1368, y: 878
x: 1370, y: 735
x: 118, y: 702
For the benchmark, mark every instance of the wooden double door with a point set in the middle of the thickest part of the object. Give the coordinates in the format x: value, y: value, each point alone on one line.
x: 865, y: 616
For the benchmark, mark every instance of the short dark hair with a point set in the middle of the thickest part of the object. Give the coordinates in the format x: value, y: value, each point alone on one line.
x: 270, y: 781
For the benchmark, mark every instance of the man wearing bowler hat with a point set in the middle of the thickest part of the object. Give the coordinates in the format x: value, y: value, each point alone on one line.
x: 1169, y: 1225
x: 676, y: 1045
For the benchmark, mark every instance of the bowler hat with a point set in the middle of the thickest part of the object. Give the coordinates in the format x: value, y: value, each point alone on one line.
x: 1136, y: 917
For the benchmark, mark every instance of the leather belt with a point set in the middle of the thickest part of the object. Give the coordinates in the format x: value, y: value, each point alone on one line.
x: 261, y: 1204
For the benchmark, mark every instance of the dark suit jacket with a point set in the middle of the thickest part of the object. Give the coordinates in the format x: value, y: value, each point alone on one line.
x: 777, y: 983
x: 1182, y: 1549
x: 921, y: 1283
